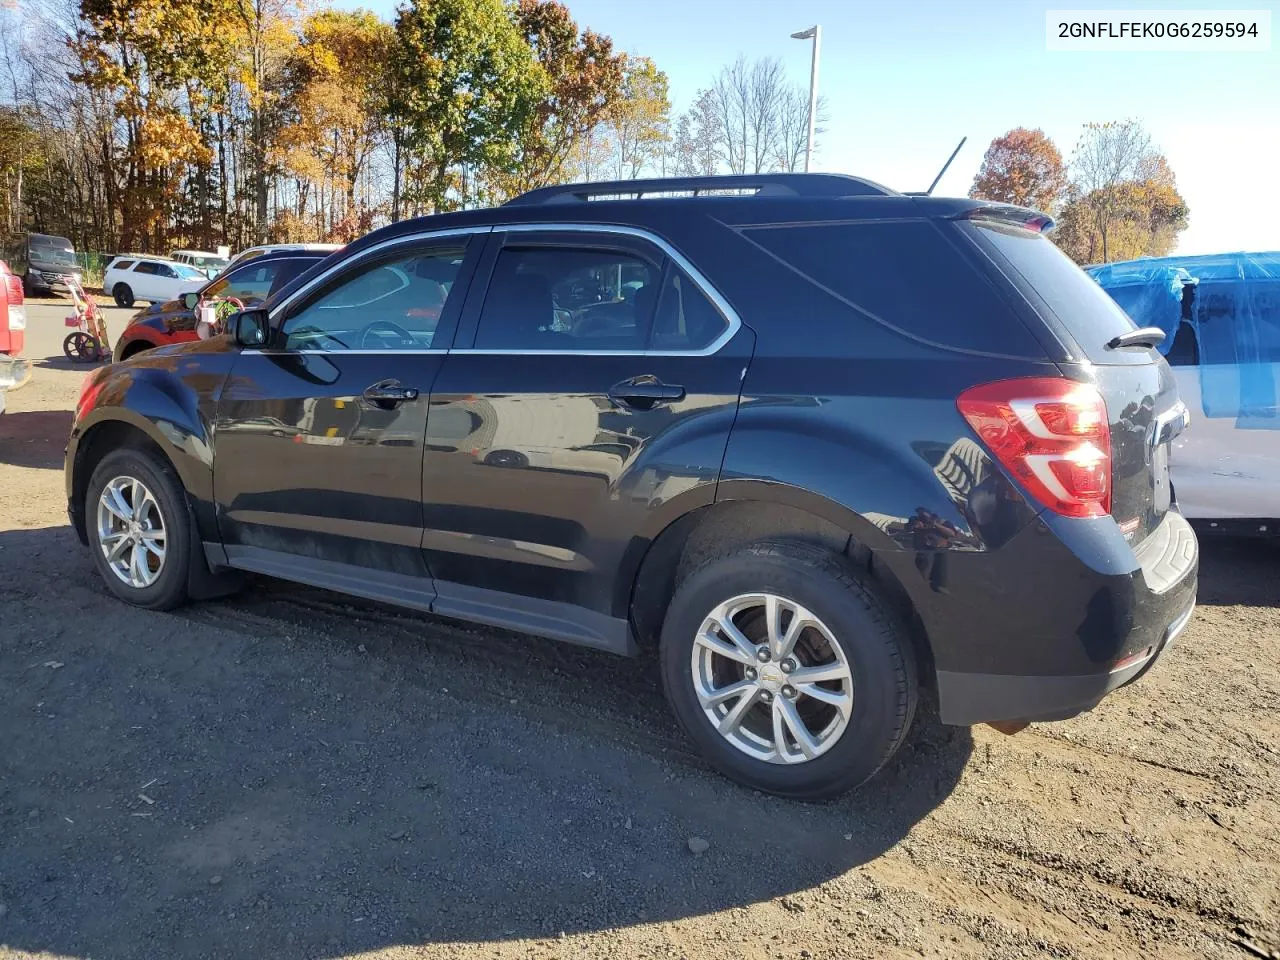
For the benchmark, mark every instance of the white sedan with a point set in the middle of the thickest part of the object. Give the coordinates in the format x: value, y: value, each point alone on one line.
x: 129, y: 279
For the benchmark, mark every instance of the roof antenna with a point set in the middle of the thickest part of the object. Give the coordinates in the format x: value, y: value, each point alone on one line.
x: 929, y: 192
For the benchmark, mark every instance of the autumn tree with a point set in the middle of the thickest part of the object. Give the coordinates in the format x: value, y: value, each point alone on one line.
x: 583, y: 82
x: 1146, y: 215
x: 467, y: 85
x: 640, y: 119
x: 337, y: 78
x: 152, y: 55
x: 1108, y: 156
x: 1022, y: 167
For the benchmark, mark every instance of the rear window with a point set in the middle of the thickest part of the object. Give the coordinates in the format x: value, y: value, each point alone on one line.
x: 1084, y: 308
x: 904, y: 274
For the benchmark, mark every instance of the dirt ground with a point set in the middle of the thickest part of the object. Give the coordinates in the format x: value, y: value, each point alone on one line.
x: 292, y: 774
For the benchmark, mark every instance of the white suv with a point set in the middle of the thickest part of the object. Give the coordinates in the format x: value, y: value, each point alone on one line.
x: 157, y: 279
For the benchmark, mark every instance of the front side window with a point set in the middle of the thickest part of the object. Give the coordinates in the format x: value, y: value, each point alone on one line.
x: 392, y: 304
x: 565, y: 299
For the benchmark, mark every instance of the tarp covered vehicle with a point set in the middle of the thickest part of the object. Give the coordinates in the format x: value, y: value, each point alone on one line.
x: 1221, y: 314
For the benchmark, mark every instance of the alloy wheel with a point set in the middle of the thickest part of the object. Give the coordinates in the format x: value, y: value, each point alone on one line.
x: 772, y: 678
x: 131, y: 531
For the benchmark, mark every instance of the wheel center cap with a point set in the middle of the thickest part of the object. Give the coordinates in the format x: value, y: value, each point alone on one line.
x: 771, y: 676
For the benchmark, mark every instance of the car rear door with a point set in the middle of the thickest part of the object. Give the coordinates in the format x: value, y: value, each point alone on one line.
x: 567, y: 426
x: 318, y: 473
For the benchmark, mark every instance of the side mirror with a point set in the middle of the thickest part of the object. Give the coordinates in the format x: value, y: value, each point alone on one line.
x: 251, y: 327
x: 190, y: 300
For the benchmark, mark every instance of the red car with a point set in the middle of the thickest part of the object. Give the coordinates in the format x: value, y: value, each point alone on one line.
x: 13, y: 326
x: 175, y: 320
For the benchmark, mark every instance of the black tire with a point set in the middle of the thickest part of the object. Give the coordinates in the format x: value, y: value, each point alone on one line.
x: 133, y: 349
x: 875, y: 644
x: 123, y: 294
x: 81, y: 347
x: 170, y: 586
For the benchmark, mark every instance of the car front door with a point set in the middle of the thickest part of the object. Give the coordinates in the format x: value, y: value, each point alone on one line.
x: 318, y: 472
x: 568, y: 422
x: 144, y: 282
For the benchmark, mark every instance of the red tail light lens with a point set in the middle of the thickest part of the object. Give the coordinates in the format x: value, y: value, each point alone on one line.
x: 1052, y: 435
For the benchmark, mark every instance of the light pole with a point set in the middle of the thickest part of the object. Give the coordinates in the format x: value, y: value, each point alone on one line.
x: 814, y: 32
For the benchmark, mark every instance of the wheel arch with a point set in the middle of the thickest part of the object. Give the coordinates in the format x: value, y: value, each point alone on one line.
x: 774, y: 512
x: 166, y: 430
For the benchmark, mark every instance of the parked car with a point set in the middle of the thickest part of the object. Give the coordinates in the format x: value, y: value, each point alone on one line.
x: 252, y: 252
x: 844, y: 443
x: 51, y: 262
x: 1220, y: 314
x: 155, y: 279
x: 14, y: 370
x: 210, y: 264
x: 174, y: 321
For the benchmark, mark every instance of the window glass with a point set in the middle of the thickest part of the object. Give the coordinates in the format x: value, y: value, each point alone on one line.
x: 908, y: 275
x: 123, y: 265
x: 250, y: 284
x: 185, y: 271
x: 145, y: 266
x: 686, y: 319
x: 164, y: 270
x: 1079, y: 303
x: 386, y: 305
x: 561, y: 298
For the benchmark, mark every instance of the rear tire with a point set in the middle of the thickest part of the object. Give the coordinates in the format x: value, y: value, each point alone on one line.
x: 849, y: 635
x: 123, y: 294
x: 139, y: 565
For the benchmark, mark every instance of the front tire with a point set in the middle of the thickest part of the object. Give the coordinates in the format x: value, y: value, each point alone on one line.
x: 787, y: 671
x: 139, y: 530
x: 123, y: 294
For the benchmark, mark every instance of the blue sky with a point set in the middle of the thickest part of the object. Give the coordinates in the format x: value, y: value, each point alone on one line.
x: 905, y: 81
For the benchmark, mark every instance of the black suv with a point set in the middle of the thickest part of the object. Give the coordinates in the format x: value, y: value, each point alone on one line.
x: 820, y: 442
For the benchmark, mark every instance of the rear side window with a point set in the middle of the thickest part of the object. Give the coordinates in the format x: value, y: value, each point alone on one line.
x: 565, y: 299
x: 906, y: 275
x: 122, y: 265
x: 145, y: 267
x: 1088, y: 312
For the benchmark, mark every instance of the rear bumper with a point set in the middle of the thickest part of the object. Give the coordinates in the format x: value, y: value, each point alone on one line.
x: 1065, y: 612
x: 14, y: 373
x: 969, y: 698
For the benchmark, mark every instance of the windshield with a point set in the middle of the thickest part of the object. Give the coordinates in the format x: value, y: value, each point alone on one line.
x: 188, y: 273
x: 53, y: 255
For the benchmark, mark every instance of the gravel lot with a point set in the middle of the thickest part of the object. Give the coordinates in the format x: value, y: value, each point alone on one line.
x: 293, y: 774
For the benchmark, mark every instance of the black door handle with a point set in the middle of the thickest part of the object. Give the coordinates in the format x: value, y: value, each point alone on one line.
x: 389, y: 393
x: 644, y: 393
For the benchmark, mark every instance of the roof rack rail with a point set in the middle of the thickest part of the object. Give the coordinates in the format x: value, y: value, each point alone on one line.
x: 759, y: 185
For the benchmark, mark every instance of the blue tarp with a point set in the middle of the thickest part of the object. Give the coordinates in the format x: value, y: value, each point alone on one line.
x: 1222, y: 312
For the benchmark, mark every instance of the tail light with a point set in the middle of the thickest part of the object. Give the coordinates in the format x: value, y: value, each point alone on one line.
x: 17, y: 312
x: 1051, y: 435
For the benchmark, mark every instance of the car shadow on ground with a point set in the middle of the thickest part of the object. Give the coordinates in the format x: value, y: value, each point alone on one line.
x: 64, y: 363
x: 1229, y: 567
x: 291, y: 774
x: 34, y: 438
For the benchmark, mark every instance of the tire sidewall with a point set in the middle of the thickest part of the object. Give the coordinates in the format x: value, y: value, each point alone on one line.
x: 123, y: 295
x: 865, y: 633
x: 169, y: 588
